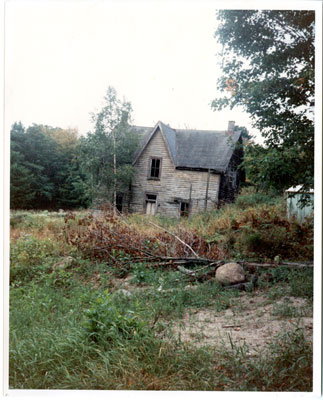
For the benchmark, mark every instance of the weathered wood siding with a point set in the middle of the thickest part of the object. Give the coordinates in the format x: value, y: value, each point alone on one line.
x: 172, y: 185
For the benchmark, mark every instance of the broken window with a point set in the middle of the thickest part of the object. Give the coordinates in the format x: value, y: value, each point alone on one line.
x: 155, y: 168
x: 184, y: 208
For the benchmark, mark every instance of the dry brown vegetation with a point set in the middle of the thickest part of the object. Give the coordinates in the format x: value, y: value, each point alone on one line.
x: 258, y: 233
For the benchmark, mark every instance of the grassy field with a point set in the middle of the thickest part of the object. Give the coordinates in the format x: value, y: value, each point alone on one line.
x: 79, y: 322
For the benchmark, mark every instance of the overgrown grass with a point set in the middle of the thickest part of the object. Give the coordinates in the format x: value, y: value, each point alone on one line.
x: 285, y: 366
x: 282, y: 281
x: 250, y: 198
x: 71, y: 328
x: 77, y: 338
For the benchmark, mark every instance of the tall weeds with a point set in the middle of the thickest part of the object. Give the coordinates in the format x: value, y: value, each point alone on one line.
x: 68, y: 332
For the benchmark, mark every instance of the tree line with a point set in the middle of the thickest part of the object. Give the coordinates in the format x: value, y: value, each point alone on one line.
x: 54, y: 168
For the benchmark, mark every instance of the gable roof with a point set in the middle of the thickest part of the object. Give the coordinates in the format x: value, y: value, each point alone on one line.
x: 146, y: 134
x: 193, y: 149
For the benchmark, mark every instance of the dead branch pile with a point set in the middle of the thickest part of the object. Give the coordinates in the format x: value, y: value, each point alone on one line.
x: 110, y: 239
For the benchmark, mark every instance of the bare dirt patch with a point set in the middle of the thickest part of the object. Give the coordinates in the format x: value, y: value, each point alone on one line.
x: 253, y: 321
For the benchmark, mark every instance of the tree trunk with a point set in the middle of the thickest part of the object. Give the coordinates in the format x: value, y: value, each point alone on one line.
x: 115, y: 175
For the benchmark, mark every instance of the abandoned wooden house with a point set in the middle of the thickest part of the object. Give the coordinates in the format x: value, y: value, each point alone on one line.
x: 178, y: 172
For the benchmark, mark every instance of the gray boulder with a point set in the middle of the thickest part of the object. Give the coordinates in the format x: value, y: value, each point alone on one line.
x: 230, y: 273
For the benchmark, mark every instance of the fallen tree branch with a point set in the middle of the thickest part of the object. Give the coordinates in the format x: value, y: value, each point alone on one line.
x: 302, y: 264
x: 231, y: 326
x: 186, y: 271
x: 197, y: 271
x: 201, y: 274
x: 176, y: 237
x: 273, y: 265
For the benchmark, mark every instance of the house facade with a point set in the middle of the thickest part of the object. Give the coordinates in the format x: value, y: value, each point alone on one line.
x: 182, y: 172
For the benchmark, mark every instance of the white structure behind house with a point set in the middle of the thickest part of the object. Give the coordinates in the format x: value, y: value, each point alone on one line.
x: 294, y: 206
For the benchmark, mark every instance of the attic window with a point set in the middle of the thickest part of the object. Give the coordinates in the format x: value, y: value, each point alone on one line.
x: 155, y: 168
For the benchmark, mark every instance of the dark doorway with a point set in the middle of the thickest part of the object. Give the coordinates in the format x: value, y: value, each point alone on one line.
x: 151, y: 204
x: 184, y: 209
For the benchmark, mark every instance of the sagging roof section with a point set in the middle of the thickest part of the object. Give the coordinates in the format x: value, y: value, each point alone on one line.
x: 192, y: 149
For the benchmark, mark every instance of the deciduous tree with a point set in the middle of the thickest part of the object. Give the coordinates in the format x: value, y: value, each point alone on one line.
x: 268, y: 69
x: 108, y: 150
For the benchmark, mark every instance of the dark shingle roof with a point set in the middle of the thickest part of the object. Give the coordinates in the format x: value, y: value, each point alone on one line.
x: 194, y: 149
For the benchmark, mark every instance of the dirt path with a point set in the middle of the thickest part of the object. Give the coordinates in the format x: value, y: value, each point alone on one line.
x: 252, y: 321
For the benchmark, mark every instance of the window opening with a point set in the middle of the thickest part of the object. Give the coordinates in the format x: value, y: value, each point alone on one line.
x: 155, y: 168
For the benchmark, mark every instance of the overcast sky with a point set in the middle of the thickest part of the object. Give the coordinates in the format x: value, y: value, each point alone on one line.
x: 60, y: 57
x: 161, y: 56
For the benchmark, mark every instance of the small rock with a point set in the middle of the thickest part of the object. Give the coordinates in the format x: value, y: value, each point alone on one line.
x: 66, y: 262
x: 230, y: 273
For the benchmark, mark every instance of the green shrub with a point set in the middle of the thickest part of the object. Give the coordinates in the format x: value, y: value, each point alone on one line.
x: 255, y: 199
x: 28, y: 250
x: 280, y: 274
x: 144, y: 274
x: 59, y: 279
x: 141, y: 274
x: 30, y: 257
x: 253, y: 241
x: 17, y: 219
x: 301, y: 283
x: 105, y: 322
x: 266, y: 232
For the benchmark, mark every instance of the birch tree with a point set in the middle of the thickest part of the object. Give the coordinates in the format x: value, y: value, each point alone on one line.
x: 107, y: 151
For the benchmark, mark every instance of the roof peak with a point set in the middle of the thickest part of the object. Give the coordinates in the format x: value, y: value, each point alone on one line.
x: 161, y: 123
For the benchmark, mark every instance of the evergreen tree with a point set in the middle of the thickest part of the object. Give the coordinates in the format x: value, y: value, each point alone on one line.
x: 45, y: 168
x: 29, y: 184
